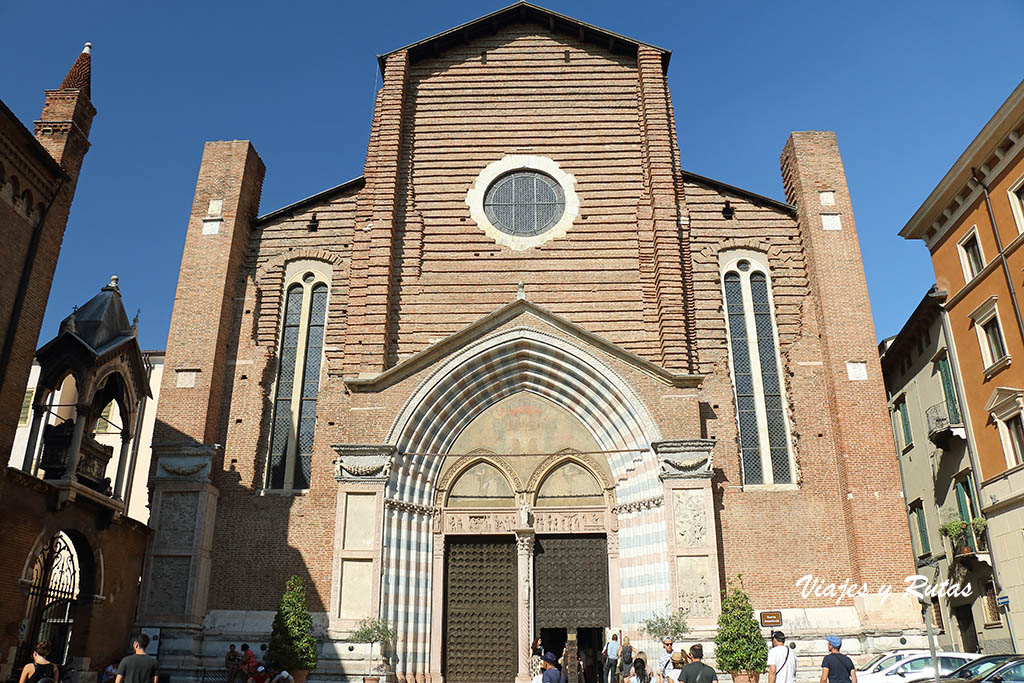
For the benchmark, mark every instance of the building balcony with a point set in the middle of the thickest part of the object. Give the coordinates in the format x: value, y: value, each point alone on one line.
x: 944, y: 422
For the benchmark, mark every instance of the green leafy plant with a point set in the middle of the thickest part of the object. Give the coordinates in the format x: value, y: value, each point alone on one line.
x: 667, y: 626
x: 374, y: 631
x: 954, y: 528
x: 979, y: 524
x: 292, y: 645
x: 739, y: 645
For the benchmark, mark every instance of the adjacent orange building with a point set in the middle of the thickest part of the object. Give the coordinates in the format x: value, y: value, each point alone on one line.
x: 973, y: 225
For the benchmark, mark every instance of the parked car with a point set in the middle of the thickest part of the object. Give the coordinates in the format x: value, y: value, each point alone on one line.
x: 886, y: 659
x: 918, y: 667
x: 990, y: 669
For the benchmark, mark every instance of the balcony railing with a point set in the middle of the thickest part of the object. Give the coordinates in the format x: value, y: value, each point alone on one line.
x: 943, y: 418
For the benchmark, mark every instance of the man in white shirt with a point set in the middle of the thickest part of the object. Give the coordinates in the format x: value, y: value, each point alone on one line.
x: 781, y: 662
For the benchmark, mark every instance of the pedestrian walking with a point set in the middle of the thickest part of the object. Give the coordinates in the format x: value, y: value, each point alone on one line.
x: 697, y: 671
x: 781, y: 663
x: 837, y: 667
x: 137, y: 667
x: 611, y: 659
x: 40, y: 669
x: 625, y: 658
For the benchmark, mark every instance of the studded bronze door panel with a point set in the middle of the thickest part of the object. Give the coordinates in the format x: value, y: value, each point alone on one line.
x: 571, y: 574
x: 480, y: 611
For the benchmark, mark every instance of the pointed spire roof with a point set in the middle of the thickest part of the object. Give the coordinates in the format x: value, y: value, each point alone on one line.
x: 80, y: 75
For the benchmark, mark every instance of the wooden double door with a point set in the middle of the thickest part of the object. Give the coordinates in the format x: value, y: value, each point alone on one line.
x: 481, y: 618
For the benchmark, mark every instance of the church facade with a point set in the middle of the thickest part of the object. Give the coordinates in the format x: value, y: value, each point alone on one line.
x: 525, y: 376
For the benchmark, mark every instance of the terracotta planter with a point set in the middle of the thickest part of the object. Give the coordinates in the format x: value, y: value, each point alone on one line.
x: 371, y: 679
x: 300, y: 675
x: 745, y: 676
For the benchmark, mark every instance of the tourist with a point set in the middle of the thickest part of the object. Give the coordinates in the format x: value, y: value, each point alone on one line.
x: 232, y: 660
x: 280, y: 675
x: 536, y: 654
x: 249, y: 663
x: 666, y: 659
x: 611, y: 659
x: 40, y: 669
x: 676, y: 667
x: 261, y: 675
x: 781, y: 665
x: 137, y: 667
x: 539, y: 677
x: 552, y: 674
x: 110, y: 673
x: 640, y: 672
x: 697, y: 671
x: 837, y: 667
x: 625, y: 658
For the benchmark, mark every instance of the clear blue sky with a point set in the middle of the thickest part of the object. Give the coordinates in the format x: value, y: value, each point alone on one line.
x: 906, y: 85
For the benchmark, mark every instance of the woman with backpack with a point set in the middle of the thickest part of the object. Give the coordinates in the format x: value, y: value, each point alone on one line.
x: 40, y: 669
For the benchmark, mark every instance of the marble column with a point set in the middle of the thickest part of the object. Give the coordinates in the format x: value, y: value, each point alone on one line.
x: 437, y: 610
x: 524, y: 557
x: 38, y: 413
x: 122, y: 463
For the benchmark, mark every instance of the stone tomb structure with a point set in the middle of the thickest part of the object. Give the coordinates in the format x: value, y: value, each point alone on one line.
x: 525, y: 376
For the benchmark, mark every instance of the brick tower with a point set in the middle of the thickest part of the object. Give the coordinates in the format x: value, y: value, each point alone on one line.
x: 34, y: 230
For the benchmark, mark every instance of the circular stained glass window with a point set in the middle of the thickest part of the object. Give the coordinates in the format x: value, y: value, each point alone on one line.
x: 524, y: 203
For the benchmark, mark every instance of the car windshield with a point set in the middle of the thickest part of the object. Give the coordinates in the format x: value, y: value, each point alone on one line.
x: 871, y: 662
x: 979, y: 667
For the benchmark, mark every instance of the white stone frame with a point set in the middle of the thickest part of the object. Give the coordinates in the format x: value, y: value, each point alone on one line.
x: 982, y: 315
x: 728, y: 261
x: 294, y: 272
x: 518, y: 162
x: 1004, y: 404
x: 965, y: 263
x: 1017, y: 203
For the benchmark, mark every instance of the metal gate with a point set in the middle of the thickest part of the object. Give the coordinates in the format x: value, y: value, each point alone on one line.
x: 571, y: 582
x: 480, y: 611
x: 51, y: 601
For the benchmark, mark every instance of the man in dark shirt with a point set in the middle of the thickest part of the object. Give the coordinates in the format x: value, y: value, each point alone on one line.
x: 837, y: 667
x: 552, y: 674
x: 697, y: 671
x: 138, y: 667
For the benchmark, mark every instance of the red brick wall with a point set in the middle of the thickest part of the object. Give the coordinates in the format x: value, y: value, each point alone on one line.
x: 101, y: 630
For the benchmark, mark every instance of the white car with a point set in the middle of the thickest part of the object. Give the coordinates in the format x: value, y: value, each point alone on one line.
x: 885, y: 660
x: 917, y: 667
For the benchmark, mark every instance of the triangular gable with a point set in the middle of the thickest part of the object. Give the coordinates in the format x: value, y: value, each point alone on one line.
x: 522, y: 12
x: 499, y: 317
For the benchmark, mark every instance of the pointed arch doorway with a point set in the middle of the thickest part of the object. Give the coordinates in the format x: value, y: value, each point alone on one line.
x: 525, y: 503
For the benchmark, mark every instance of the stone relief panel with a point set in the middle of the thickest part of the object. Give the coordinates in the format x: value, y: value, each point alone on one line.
x: 568, y: 522
x: 169, y: 580
x: 468, y: 523
x: 570, y: 484
x: 177, y: 525
x: 694, y: 586
x: 691, y: 526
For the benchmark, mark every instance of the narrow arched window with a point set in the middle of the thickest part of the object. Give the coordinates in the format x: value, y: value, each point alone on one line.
x: 298, y: 380
x: 764, y: 443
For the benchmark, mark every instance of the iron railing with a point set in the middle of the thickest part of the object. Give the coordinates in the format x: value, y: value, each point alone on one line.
x: 941, y: 417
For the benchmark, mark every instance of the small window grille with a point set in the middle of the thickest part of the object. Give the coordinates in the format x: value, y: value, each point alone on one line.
x: 992, y: 615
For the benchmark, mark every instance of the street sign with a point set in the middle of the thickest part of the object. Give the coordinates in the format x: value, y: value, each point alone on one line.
x: 1003, y: 601
x: 771, y: 619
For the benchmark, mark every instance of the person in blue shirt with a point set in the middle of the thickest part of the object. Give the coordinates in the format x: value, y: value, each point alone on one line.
x: 552, y: 674
x: 611, y: 659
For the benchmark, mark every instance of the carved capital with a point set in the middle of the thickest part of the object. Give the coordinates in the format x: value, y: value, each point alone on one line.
x: 684, y: 458
x: 363, y: 463
x: 524, y: 542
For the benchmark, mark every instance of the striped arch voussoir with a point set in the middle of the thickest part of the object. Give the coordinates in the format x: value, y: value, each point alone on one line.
x: 269, y: 282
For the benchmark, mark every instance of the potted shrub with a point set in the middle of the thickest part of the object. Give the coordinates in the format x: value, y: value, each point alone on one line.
x: 979, y: 524
x: 955, y: 530
x: 292, y: 645
x: 740, y: 648
x: 671, y: 626
x: 374, y: 631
